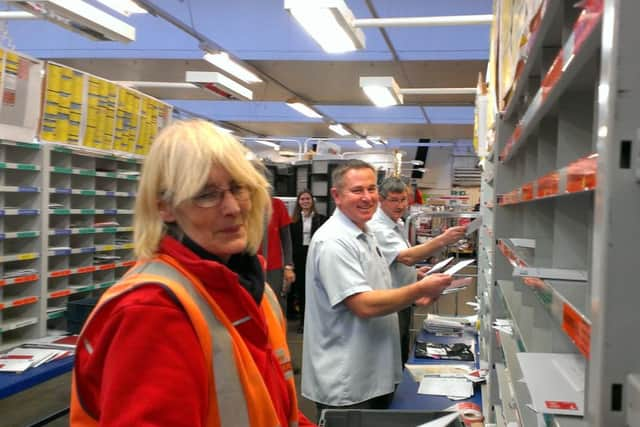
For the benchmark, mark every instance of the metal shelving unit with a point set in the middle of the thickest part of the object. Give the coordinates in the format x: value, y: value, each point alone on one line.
x: 82, y: 246
x: 90, y: 223
x: 21, y: 261
x: 561, y: 226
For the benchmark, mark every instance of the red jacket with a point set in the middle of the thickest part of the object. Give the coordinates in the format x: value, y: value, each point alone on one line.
x: 147, y: 366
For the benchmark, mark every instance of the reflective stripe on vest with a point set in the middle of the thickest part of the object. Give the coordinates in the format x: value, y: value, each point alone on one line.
x: 232, y: 405
x: 274, y: 304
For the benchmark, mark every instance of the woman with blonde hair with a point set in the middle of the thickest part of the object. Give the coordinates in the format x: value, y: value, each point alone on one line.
x: 191, y: 335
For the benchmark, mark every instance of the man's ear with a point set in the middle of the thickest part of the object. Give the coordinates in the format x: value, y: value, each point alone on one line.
x: 334, y: 193
x: 166, y: 211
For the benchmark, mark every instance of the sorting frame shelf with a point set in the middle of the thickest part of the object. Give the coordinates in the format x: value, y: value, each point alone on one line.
x: 578, y: 49
x: 91, y: 198
x: 541, y: 24
x: 564, y: 172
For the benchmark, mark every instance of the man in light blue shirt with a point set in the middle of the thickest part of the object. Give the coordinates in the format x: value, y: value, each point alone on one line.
x: 401, y: 257
x: 351, y: 357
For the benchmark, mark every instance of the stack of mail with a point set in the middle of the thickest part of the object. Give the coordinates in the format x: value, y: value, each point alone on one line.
x: 446, y: 325
x: 20, y: 359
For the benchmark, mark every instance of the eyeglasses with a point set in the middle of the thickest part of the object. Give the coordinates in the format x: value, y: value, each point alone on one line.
x: 396, y: 201
x: 212, y: 197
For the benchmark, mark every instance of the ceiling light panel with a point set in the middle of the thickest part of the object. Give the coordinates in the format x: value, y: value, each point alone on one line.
x: 123, y: 7
x: 329, y: 22
x: 339, y: 129
x: 268, y: 144
x: 80, y: 17
x: 304, y: 110
x: 223, y: 61
x: 382, y: 91
x: 363, y: 143
x: 219, y: 84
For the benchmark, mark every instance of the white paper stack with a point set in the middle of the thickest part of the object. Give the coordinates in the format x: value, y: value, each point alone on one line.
x: 457, y: 388
x: 448, y: 324
x: 20, y: 359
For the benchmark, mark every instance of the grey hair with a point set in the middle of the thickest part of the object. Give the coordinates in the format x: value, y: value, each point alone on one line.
x: 392, y: 185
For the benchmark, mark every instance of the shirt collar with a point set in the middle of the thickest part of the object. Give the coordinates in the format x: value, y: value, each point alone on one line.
x: 381, y: 216
x: 352, y: 229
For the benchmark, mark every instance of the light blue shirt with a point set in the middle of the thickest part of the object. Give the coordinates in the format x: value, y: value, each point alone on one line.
x: 390, y: 238
x: 346, y: 359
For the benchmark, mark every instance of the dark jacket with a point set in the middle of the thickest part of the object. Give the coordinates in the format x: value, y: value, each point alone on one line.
x: 296, y: 230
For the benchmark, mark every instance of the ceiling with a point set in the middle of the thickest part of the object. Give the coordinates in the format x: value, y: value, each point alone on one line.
x: 263, y: 35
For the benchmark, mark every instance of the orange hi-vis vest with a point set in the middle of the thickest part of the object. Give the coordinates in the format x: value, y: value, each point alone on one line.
x: 238, y: 397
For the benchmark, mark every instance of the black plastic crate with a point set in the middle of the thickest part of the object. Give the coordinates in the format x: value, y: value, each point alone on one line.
x: 77, y: 313
x: 380, y: 418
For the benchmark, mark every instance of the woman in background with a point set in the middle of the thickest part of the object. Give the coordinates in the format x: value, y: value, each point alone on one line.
x: 305, y: 221
x: 191, y: 336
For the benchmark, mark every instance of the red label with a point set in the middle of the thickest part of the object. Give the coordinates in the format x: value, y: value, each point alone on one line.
x: 23, y: 279
x: 23, y: 301
x: 128, y: 263
x: 3, y: 282
x: 558, y: 404
x: 60, y: 273
x: 107, y: 267
x: 577, y: 329
x: 86, y: 269
x: 59, y: 294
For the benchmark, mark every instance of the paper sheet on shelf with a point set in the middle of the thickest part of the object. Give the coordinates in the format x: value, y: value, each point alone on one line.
x: 419, y: 371
x: 443, y: 386
x: 555, y: 382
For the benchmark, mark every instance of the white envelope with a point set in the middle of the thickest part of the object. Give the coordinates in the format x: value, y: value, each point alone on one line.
x: 439, y: 266
x: 459, y: 266
x: 473, y: 226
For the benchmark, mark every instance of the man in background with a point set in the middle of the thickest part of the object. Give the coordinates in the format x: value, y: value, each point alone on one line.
x: 400, y: 256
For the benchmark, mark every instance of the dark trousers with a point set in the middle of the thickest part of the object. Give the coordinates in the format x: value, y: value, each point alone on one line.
x: 404, y: 322
x: 297, y: 288
x: 379, y: 402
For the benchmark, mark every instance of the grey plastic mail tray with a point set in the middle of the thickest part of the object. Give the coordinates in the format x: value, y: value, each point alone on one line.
x: 379, y: 418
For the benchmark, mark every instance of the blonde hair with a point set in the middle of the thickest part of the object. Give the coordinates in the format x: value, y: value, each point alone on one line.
x: 178, y: 166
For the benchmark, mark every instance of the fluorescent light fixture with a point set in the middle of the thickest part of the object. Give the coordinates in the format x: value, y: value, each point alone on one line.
x: 219, y: 84
x: 80, y: 17
x: 223, y: 61
x: 363, y: 143
x: 268, y: 144
x: 123, y: 7
x: 304, y: 109
x: 376, y: 140
x: 329, y: 22
x: 339, y: 129
x: 382, y: 91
